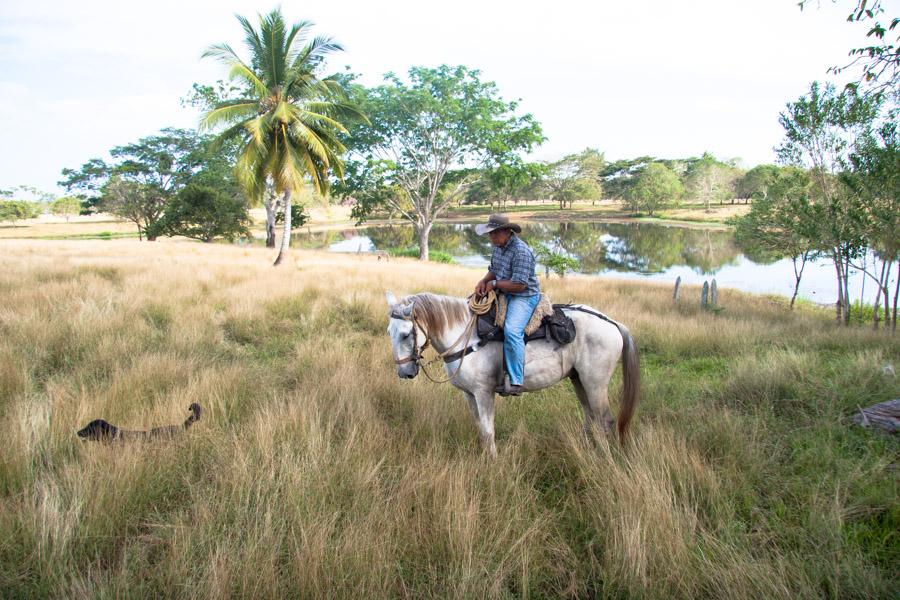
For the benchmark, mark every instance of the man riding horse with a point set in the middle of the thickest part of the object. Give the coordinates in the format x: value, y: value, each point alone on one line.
x: 512, y: 273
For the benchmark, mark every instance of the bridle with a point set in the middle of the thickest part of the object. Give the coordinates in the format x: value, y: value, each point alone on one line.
x: 417, y: 353
x: 478, y: 306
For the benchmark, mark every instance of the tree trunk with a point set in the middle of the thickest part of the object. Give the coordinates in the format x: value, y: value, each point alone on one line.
x: 424, y: 231
x: 876, y: 314
x: 270, y: 222
x: 835, y: 258
x: 862, y: 287
x: 798, y: 275
x: 886, y: 278
x: 286, y: 235
x: 896, y: 293
x: 846, y: 277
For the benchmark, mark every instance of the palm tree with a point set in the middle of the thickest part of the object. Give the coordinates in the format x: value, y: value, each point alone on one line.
x: 289, y: 119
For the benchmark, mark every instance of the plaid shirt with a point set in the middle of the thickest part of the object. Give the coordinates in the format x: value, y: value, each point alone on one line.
x: 515, y: 261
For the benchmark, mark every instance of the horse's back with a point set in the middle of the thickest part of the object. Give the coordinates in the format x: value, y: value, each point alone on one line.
x: 595, y: 328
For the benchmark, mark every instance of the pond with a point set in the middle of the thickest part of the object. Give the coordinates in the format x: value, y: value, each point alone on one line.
x: 623, y: 250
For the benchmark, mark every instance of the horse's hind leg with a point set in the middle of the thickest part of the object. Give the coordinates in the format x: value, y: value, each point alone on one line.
x: 594, y: 404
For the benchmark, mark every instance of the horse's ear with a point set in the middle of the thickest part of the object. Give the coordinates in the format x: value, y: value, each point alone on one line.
x: 391, y: 300
x: 408, y: 310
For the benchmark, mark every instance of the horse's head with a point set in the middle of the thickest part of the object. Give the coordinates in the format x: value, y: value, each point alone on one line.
x: 407, y: 339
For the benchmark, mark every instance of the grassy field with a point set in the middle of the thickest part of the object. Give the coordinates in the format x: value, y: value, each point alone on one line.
x: 315, y: 472
x: 93, y: 227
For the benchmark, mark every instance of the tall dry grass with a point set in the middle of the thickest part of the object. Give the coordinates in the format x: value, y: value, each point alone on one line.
x: 315, y: 472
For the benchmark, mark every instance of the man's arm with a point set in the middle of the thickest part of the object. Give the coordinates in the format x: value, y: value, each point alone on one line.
x: 510, y: 287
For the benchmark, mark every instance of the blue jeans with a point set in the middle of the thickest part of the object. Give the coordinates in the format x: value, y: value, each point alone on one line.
x: 518, y: 312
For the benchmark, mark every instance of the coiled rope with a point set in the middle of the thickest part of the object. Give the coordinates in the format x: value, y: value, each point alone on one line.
x: 482, y: 306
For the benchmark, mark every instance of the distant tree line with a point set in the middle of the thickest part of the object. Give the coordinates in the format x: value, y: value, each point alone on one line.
x: 644, y: 185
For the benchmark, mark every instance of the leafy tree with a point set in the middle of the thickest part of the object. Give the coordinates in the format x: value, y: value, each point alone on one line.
x: 207, y: 97
x: 513, y: 180
x: 821, y: 129
x: 784, y: 222
x: 154, y: 168
x: 87, y: 182
x: 67, y: 206
x: 444, y: 121
x: 754, y: 184
x: 575, y: 177
x: 299, y: 217
x: 656, y: 187
x: 203, y: 213
x: 618, y: 177
x: 289, y: 121
x: 875, y: 177
x: 140, y: 203
x: 516, y: 181
x: 18, y: 210
x: 709, y: 180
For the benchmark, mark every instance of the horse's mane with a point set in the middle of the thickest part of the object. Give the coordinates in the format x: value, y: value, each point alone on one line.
x: 437, y: 313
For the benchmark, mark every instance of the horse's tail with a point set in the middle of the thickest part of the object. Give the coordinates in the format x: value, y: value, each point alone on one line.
x: 631, y: 381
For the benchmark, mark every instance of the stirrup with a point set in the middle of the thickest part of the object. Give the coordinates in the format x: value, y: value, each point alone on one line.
x: 507, y: 389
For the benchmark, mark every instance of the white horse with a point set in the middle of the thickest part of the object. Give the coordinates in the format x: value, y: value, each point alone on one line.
x: 589, y: 360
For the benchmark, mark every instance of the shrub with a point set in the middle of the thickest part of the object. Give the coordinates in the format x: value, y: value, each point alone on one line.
x: 203, y: 213
x: 555, y: 261
x: 413, y: 252
x: 16, y: 210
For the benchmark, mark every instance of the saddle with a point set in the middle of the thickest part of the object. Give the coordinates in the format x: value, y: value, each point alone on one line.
x: 547, y: 320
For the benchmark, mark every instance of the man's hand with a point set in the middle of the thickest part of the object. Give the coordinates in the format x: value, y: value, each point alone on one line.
x: 481, y: 288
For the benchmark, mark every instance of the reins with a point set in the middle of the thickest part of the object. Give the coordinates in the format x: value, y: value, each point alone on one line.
x: 477, y: 306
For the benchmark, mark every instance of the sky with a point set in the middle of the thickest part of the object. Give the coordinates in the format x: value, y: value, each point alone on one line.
x: 630, y: 78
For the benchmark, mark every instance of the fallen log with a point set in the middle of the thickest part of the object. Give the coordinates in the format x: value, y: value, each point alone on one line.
x: 884, y: 415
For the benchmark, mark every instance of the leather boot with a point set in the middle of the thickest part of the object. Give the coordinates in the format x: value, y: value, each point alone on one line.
x: 508, y: 389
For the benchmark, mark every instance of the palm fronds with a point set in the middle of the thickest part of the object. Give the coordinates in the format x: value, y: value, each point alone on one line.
x: 290, y: 127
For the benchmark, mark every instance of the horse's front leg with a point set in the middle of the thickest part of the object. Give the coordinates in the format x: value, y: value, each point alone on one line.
x: 481, y: 405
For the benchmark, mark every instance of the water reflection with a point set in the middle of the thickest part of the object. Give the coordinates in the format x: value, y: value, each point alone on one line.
x: 624, y: 247
x: 630, y: 250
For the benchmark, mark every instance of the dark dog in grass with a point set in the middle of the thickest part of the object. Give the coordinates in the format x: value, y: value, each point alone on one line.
x: 99, y: 430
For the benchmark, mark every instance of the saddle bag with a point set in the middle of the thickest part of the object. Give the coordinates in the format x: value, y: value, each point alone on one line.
x: 486, y: 330
x: 560, y: 327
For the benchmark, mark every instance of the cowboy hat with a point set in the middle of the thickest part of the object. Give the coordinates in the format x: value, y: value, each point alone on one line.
x: 498, y: 221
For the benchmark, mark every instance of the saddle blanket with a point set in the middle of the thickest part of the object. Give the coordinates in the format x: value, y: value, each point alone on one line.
x: 543, y: 309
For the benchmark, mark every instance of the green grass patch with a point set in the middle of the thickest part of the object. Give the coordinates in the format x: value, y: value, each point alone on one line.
x: 413, y: 252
